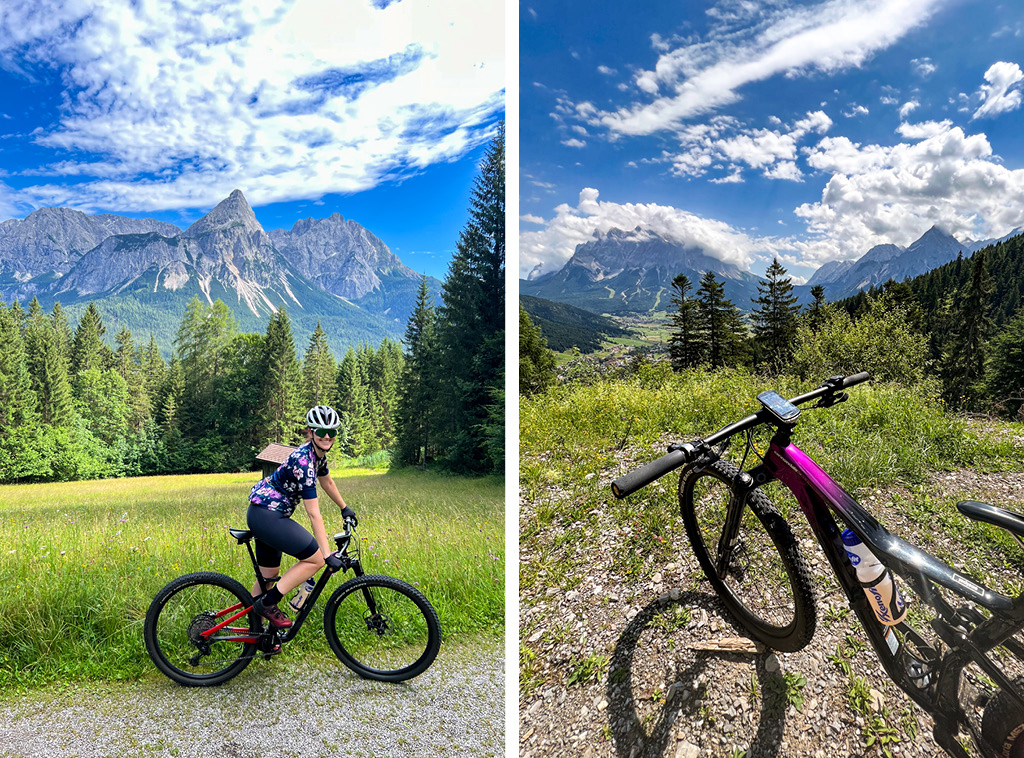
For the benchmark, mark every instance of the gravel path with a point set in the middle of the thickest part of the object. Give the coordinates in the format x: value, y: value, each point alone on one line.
x: 658, y: 669
x: 276, y: 708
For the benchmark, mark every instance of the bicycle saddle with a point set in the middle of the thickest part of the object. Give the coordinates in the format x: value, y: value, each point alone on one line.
x: 242, y: 535
x: 991, y: 514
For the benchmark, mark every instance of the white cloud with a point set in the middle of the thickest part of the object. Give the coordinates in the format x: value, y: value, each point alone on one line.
x: 573, y: 142
x: 893, y: 194
x: 925, y: 129
x: 701, y: 77
x: 923, y: 67
x: 723, y: 139
x: 549, y: 249
x: 908, y: 107
x: 172, y: 105
x: 606, y: 70
x: 856, y: 110
x: 532, y: 219
x: 1001, y: 94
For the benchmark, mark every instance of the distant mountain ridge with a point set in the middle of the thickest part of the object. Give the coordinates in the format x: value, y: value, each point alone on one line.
x: 565, y: 326
x: 935, y: 248
x: 632, y: 272
x: 331, y: 269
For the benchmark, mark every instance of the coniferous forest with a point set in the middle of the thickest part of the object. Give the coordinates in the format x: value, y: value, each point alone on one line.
x: 79, y: 403
x: 958, y: 329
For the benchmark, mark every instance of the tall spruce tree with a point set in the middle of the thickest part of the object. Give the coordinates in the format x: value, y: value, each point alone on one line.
x: 19, y: 409
x: 775, y: 318
x: 319, y: 371
x: 815, y: 312
x: 418, y: 385
x: 1005, y: 380
x: 471, y: 324
x: 282, y: 391
x: 48, y: 369
x: 88, y: 349
x: 684, y: 346
x: 721, y: 330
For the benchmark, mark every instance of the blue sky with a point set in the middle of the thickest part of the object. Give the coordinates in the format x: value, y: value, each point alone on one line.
x: 379, y: 110
x: 809, y: 131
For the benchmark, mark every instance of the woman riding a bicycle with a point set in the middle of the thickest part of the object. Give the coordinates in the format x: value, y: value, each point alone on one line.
x: 271, y: 504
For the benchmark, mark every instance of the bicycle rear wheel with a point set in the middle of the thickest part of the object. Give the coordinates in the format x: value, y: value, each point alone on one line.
x: 382, y: 628
x: 1002, y: 726
x: 187, y: 607
x: 760, y: 574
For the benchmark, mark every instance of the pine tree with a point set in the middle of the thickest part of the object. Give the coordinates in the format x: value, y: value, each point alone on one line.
x: 87, y: 349
x: 319, y: 371
x: 418, y: 386
x: 720, y: 328
x: 815, y: 313
x: 775, y: 318
x: 19, y: 412
x: 48, y: 369
x: 471, y: 323
x: 684, y: 348
x: 536, y: 362
x: 282, y: 391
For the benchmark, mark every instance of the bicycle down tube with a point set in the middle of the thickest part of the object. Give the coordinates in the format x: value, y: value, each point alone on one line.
x: 819, y: 496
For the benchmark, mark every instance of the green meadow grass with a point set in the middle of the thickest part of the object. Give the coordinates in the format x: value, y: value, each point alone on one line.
x: 574, y: 438
x: 81, y: 561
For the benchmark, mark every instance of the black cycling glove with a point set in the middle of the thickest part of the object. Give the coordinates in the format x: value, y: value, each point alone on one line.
x: 333, y: 562
x: 349, y: 515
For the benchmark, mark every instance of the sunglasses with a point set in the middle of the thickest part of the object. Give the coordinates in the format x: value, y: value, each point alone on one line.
x: 332, y: 433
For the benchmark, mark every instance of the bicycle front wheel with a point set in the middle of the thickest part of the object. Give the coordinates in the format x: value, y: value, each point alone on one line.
x: 759, y: 573
x: 187, y: 607
x: 382, y: 628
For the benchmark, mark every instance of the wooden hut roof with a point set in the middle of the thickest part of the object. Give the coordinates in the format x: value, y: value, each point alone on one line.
x: 275, y: 453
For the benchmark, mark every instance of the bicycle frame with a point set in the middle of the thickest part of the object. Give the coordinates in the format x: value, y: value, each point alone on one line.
x: 240, y: 610
x: 966, y: 632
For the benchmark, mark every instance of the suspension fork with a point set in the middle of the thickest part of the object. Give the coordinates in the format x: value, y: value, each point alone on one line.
x: 742, y: 486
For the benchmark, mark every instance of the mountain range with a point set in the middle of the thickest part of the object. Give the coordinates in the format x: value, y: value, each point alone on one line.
x: 141, y: 272
x: 632, y: 271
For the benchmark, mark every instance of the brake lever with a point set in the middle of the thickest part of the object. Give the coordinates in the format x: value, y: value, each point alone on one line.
x: 827, y: 401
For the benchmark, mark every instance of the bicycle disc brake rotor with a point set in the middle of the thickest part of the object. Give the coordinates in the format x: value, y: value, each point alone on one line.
x: 377, y: 623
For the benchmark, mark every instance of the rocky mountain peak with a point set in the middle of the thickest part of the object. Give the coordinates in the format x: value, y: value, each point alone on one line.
x: 231, y: 212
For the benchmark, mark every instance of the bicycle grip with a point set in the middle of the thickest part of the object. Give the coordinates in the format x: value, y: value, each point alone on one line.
x: 853, y: 379
x: 634, y: 480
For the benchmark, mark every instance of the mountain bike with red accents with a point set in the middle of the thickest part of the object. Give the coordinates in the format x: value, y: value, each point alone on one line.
x: 201, y: 629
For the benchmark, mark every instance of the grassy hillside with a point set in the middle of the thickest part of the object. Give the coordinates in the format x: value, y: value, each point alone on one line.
x: 80, y: 562
x: 566, y: 327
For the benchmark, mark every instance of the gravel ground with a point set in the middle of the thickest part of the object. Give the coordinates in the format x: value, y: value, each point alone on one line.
x: 276, y: 708
x: 657, y: 668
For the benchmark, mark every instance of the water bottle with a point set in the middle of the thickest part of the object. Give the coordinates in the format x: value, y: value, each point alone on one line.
x: 882, y: 592
x: 302, y: 593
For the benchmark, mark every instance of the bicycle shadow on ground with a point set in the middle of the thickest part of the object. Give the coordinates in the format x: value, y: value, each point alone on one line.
x: 683, y: 704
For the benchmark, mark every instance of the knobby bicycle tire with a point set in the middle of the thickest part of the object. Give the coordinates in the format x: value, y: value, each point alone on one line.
x: 187, y: 606
x: 1002, y: 726
x: 396, y: 641
x: 766, y: 584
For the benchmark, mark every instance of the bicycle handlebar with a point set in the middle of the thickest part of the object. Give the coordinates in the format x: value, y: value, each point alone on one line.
x: 680, y: 455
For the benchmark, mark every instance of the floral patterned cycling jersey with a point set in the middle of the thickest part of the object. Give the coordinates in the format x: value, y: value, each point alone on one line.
x: 294, y: 480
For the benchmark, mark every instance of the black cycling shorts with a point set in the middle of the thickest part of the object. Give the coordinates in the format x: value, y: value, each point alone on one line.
x: 276, y: 534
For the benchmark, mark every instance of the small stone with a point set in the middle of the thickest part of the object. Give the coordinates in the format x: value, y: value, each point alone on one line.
x: 771, y: 664
x: 674, y: 593
x: 876, y: 700
x: 657, y: 578
x: 686, y: 749
x: 536, y: 635
x: 603, y: 705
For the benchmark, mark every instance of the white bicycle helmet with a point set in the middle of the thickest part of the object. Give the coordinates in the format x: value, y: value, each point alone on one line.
x: 322, y: 417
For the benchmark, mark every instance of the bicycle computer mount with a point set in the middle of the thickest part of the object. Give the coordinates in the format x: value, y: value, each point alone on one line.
x: 781, y: 409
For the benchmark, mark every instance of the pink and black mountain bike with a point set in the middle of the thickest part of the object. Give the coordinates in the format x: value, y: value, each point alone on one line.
x: 965, y: 665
